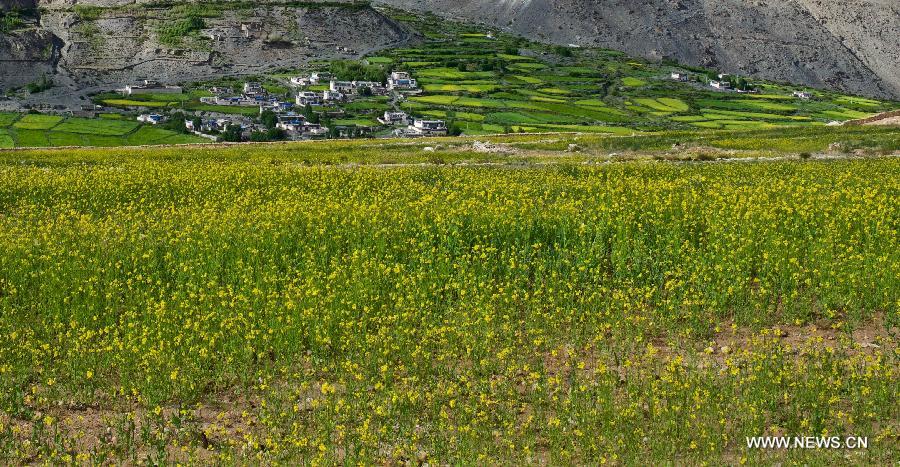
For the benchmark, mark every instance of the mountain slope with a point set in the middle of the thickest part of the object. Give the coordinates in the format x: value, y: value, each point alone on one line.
x: 849, y: 46
x: 112, y: 43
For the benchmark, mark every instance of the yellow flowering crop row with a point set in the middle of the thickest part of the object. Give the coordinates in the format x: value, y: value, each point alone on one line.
x: 212, y: 309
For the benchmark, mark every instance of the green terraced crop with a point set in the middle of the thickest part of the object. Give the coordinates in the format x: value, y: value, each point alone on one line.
x: 37, y: 122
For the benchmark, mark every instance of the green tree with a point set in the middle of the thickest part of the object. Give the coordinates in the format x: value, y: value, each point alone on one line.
x: 176, y: 123
x: 276, y: 134
x: 268, y: 118
x: 259, y: 137
x: 233, y: 134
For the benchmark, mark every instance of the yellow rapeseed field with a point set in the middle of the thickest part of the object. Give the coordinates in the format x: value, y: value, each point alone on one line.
x: 207, y: 309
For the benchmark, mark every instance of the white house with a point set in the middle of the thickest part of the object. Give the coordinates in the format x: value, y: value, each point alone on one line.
x: 357, y: 85
x: 235, y: 100
x: 207, y: 126
x: 802, y: 95
x: 332, y: 96
x: 314, y: 130
x: 291, y: 123
x: 300, y: 81
x: 720, y: 84
x: 254, y: 89
x: 680, y: 76
x: 153, y: 119
x: 345, y: 87
x: 305, y: 98
x: 394, y: 118
x: 427, y: 128
x: 401, y: 81
x: 221, y: 90
x: 380, y: 90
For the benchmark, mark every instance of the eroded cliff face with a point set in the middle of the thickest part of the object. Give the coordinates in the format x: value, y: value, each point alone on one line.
x: 20, y: 4
x: 122, y: 41
x: 26, y: 56
x: 850, y: 45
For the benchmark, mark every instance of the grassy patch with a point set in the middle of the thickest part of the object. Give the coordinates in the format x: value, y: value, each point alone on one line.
x: 527, y: 66
x: 437, y: 100
x: 380, y: 60
x: 755, y: 115
x: 31, y: 138
x: 56, y: 138
x: 460, y: 87
x: 250, y: 111
x: 514, y: 58
x: 6, y: 141
x: 842, y: 114
x: 466, y: 116
x: 365, y: 122
x: 664, y: 104
x: 8, y: 118
x: 152, y: 135
x: 453, y: 74
x: 528, y: 79
x: 37, y: 122
x: 103, y: 127
x: 363, y: 105
x: 591, y: 103
x: 556, y: 91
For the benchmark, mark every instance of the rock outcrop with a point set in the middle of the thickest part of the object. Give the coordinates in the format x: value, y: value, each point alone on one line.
x: 18, y: 4
x: 850, y: 45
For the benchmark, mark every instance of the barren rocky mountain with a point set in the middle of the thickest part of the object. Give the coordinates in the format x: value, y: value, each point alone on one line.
x: 850, y: 45
x: 102, y: 43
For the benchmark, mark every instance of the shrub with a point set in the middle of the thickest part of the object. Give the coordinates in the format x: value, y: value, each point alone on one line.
x: 42, y: 84
x: 10, y: 21
x: 349, y: 70
x: 174, y: 32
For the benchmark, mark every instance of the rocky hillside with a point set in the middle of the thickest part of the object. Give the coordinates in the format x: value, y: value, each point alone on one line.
x: 102, y: 43
x: 850, y: 45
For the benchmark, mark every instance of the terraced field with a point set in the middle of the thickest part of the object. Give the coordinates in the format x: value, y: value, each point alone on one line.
x: 38, y: 130
x: 512, y: 85
x: 520, y: 86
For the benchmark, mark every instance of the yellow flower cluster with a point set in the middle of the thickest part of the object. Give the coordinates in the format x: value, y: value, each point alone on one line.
x: 561, y: 314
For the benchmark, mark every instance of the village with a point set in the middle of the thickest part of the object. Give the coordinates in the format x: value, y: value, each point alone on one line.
x: 302, y: 117
x: 473, y: 84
